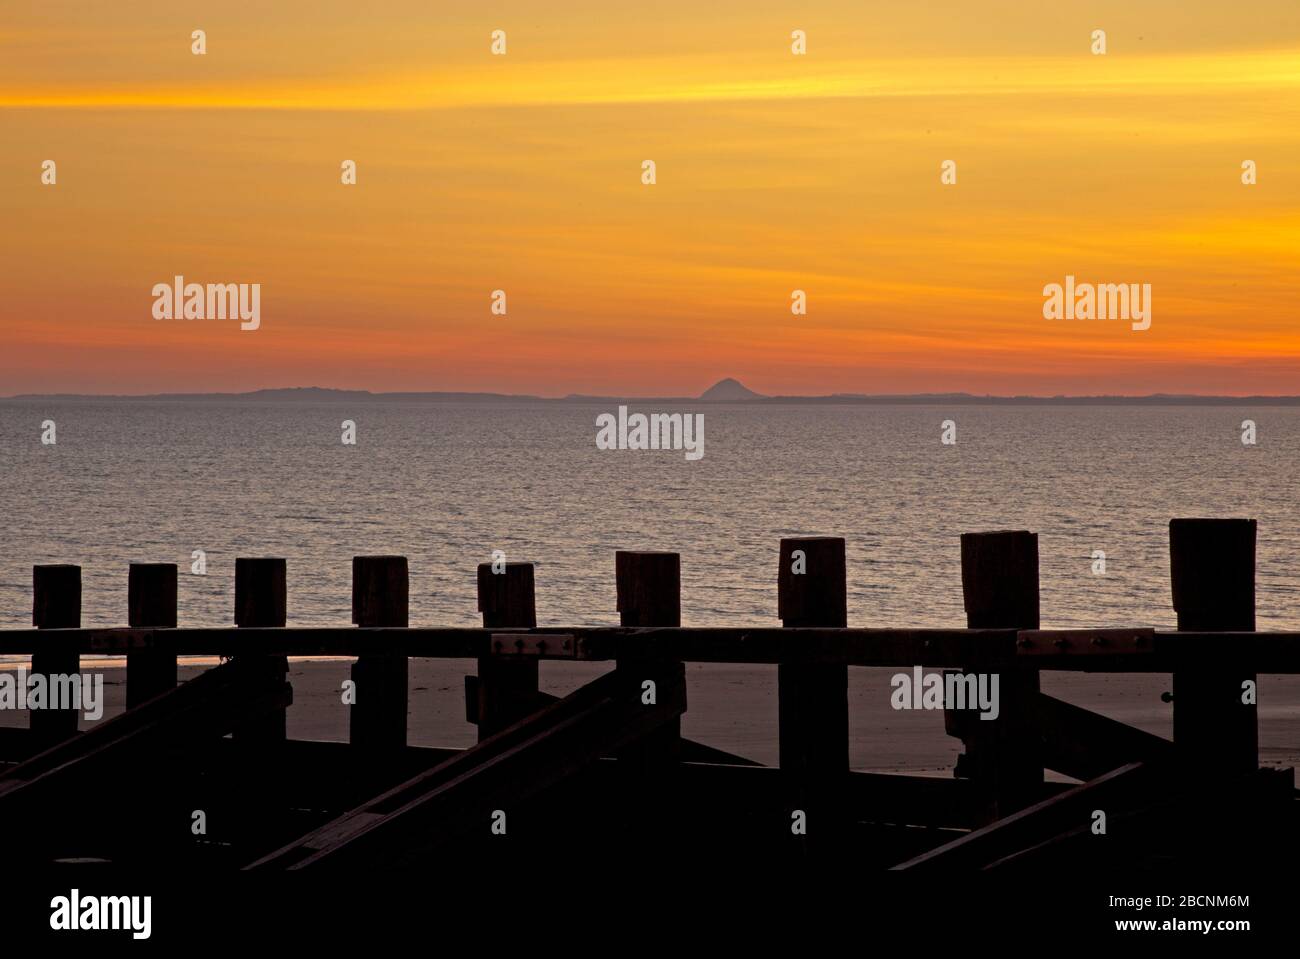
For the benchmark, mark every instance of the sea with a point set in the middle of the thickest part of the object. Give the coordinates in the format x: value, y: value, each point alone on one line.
x: 447, y: 484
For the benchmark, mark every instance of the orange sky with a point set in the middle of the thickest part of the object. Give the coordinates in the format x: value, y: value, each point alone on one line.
x: 775, y: 172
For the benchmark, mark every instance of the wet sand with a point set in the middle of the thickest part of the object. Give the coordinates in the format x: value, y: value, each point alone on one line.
x: 734, y: 708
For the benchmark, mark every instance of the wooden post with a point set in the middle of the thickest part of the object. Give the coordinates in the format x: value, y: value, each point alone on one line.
x: 999, y: 579
x: 813, y: 698
x: 648, y: 588
x: 380, y: 597
x: 56, y: 604
x: 261, y: 599
x: 1212, y: 566
x: 151, y: 604
x: 507, y: 689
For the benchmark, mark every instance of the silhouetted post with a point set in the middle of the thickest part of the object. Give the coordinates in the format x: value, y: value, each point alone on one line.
x: 507, y: 688
x: 56, y: 604
x: 1212, y: 566
x: 380, y: 597
x: 999, y: 580
x: 648, y: 589
x: 813, y: 697
x: 261, y: 599
x: 151, y: 604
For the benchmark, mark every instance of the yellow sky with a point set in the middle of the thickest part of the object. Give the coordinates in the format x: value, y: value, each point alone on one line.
x: 775, y: 172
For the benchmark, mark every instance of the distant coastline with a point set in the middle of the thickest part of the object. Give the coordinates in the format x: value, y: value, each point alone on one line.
x: 725, y: 392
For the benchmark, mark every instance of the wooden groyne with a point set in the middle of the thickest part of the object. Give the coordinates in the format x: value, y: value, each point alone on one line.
x: 606, y: 769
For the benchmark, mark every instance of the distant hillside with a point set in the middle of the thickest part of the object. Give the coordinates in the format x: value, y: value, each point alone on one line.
x: 724, y: 391
x: 729, y: 391
x: 293, y: 394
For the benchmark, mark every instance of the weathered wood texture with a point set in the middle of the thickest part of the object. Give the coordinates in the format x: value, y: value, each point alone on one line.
x: 999, y: 576
x: 380, y: 597
x: 408, y: 823
x: 813, y: 698
x: 56, y: 604
x: 648, y: 589
x: 151, y: 603
x: 506, y: 688
x: 261, y: 599
x: 1212, y: 568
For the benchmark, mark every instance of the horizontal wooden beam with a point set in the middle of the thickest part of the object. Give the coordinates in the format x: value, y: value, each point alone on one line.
x: 774, y: 645
x: 1095, y: 642
x: 1149, y: 651
x: 1137, y: 649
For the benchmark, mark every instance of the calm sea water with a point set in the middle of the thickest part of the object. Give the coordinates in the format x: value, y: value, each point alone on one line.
x: 446, y: 484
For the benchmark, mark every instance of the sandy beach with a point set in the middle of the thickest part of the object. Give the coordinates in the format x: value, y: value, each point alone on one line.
x: 734, y: 708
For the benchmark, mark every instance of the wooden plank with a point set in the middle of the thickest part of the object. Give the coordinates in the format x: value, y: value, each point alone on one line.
x: 1263, y: 652
x: 1086, y: 745
x: 920, y: 800
x: 1041, y: 821
x: 1212, y: 567
x: 648, y: 592
x: 56, y: 604
x: 321, y: 775
x: 803, y: 645
x: 526, y: 647
x: 1000, y: 590
x: 507, y: 689
x: 130, y: 747
x: 1161, y: 652
x: 380, y: 597
x: 1228, y: 651
x: 763, y: 645
x: 151, y: 603
x: 1138, y: 641
x: 813, y: 697
x: 261, y: 599
x: 406, y: 823
x: 1252, y: 812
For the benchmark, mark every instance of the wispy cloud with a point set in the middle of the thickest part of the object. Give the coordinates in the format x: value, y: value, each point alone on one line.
x: 696, y: 78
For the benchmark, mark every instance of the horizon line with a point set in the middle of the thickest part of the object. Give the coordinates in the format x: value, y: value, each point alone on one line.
x: 752, y: 398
